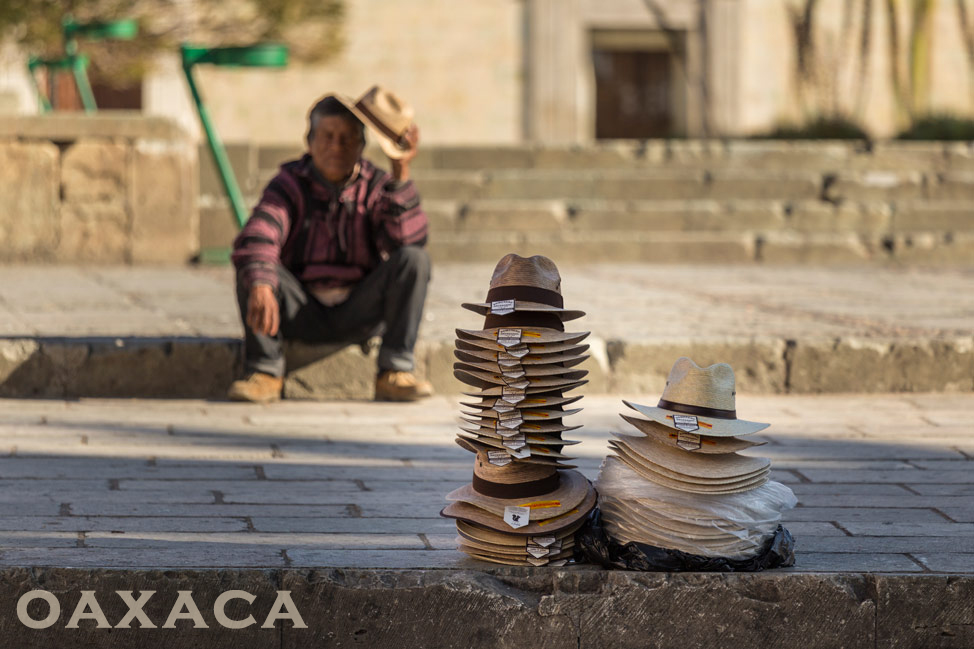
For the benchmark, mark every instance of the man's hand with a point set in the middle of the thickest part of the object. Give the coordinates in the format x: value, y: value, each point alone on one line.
x: 263, y: 313
x: 400, y: 167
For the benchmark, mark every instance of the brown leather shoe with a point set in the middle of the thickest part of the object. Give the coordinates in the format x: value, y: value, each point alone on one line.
x: 392, y: 385
x: 258, y: 388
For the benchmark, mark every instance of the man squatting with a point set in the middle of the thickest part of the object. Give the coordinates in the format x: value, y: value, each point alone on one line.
x: 334, y: 253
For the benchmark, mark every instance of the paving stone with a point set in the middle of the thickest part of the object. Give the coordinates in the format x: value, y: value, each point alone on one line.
x: 844, y: 515
x: 917, y: 477
x: 155, y: 558
x: 877, y: 186
x: 35, y: 540
x: 855, y: 562
x: 950, y: 561
x: 909, y: 529
x: 400, y: 560
x: 193, y: 541
x: 108, y: 523
x: 356, y: 525
x: 152, y: 509
x: 884, y: 544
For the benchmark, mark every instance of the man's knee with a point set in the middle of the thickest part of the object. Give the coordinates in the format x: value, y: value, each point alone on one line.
x: 413, y: 258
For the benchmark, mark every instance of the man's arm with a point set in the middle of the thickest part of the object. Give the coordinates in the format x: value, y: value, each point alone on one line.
x: 257, y: 252
x: 398, y: 212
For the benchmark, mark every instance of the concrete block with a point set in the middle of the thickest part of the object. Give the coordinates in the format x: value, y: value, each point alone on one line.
x: 960, y: 156
x: 450, y: 186
x: 916, y: 612
x: 437, y: 366
x: 877, y: 186
x: 778, y: 155
x: 688, y: 216
x: 482, y: 157
x: 655, y: 247
x: 71, y: 126
x: 95, y: 171
x: 934, y: 248
x: 243, y: 161
x: 270, y: 157
x: 642, y: 367
x: 902, y: 156
x: 95, y: 232
x: 622, y: 155
x: 163, y: 195
x: 328, y: 372
x: 732, y: 184
x: 29, y: 194
x: 14, y: 354
x: 958, y: 186
x: 928, y: 216
x: 443, y: 216
x: 819, y: 216
x: 818, y: 248
x: 654, y: 186
x: 862, y: 365
x: 696, y: 153
x: 513, y: 216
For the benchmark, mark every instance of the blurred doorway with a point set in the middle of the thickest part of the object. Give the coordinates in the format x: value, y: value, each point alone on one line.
x: 638, y: 87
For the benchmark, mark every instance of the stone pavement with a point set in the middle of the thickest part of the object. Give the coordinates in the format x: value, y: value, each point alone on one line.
x: 336, y: 503
x: 68, y: 331
x: 885, y: 483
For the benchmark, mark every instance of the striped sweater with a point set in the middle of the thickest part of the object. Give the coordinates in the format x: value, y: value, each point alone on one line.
x: 328, y: 236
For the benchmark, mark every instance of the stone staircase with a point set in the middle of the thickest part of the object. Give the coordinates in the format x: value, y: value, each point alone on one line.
x: 675, y: 201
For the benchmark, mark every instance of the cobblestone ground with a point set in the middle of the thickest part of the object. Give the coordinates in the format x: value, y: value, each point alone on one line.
x: 885, y: 483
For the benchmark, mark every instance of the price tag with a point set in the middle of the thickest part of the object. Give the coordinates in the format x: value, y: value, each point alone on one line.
x: 502, y: 307
x: 515, y: 442
x: 514, y: 373
x: 519, y: 384
x: 509, y: 363
x: 501, y: 406
x: 537, y: 562
x: 498, y: 458
x: 688, y: 441
x: 537, y: 551
x: 509, y: 419
x: 543, y: 541
x: 512, y: 395
x: 520, y: 453
x: 509, y: 337
x: 518, y: 351
x: 517, y: 516
x: 687, y: 423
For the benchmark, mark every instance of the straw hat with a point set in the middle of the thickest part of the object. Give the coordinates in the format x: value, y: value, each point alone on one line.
x: 563, y: 536
x: 699, y: 400
x: 482, y: 379
x: 560, y: 560
x: 387, y: 115
x: 730, y: 466
x: 551, y: 439
x: 703, y: 444
x: 570, y: 357
x: 554, y: 426
x: 543, y: 401
x: 517, y: 484
x: 509, y: 337
x: 522, y: 350
x: 524, y: 284
x: 506, y: 392
x: 471, y: 514
x: 651, y: 473
x: 468, y: 363
x: 535, y: 457
x: 527, y: 414
x: 518, y: 451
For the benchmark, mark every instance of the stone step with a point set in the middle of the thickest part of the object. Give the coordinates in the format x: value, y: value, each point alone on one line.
x: 430, y: 606
x: 204, y: 367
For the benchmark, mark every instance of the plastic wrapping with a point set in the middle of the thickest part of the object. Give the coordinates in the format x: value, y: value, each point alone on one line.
x: 728, y: 526
x: 592, y: 544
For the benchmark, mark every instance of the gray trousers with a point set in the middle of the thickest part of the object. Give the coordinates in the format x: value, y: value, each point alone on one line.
x: 391, y: 297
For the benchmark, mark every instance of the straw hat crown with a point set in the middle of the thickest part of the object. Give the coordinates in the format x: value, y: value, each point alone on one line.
x: 537, y: 271
x: 704, y: 387
x: 387, y: 115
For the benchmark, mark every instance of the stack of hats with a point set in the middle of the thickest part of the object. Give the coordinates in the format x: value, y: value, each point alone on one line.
x: 680, y: 483
x: 525, y: 503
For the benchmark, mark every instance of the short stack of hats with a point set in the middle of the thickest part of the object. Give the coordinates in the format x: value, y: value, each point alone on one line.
x: 680, y: 482
x: 524, y: 503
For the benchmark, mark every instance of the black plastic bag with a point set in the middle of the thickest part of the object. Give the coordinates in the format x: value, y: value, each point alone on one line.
x: 593, y: 545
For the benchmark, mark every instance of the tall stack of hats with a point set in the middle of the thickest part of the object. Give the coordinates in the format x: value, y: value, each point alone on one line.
x: 680, y: 483
x: 524, y: 503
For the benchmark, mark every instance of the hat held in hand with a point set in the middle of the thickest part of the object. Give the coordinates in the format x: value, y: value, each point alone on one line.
x: 524, y: 284
x: 387, y: 115
x: 699, y: 400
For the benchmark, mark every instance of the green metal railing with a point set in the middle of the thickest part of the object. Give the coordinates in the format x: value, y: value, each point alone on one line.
x: 75, y: 62
x: 261, y: 55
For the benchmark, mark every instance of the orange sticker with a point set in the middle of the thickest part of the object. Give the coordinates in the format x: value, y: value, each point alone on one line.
x: 537, y: 413
x: 532, y: 334
x: 542, y: 504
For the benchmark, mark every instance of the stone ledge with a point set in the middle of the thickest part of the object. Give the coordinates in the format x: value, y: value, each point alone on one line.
x: 514, y: 607
x: 204, y: 367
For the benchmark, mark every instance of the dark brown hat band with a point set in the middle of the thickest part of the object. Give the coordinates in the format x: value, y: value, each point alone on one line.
x: 700, y: 411
x: 526, y: 293
x: 516, y: 490
x: 522, y: 319
x: 377, y: 123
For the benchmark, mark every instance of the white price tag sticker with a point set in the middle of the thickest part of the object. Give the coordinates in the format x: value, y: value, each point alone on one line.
x: 509, y: 337
x: 512, y: 395
x: 518, y: 351
x: 517, y: 516
x: 687, y: 423
x: 537, y: 551
x: 543, y: 541
x: 688, y: 441
x: 499, y: 458
x: 502, y: 307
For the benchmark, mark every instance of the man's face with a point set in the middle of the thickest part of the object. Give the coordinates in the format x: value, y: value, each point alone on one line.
x: 335, y: 147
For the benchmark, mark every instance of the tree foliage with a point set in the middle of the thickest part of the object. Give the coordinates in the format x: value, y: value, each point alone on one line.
x: 311, y: 28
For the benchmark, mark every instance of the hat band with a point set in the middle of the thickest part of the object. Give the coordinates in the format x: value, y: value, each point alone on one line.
x: 522, y: 319
x: 528, y: 293
x: 516, y: 490
x: 378, y: 124
x: 700, y: 411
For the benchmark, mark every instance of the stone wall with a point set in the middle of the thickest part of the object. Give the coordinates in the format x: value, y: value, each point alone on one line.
x: 97, y: 189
